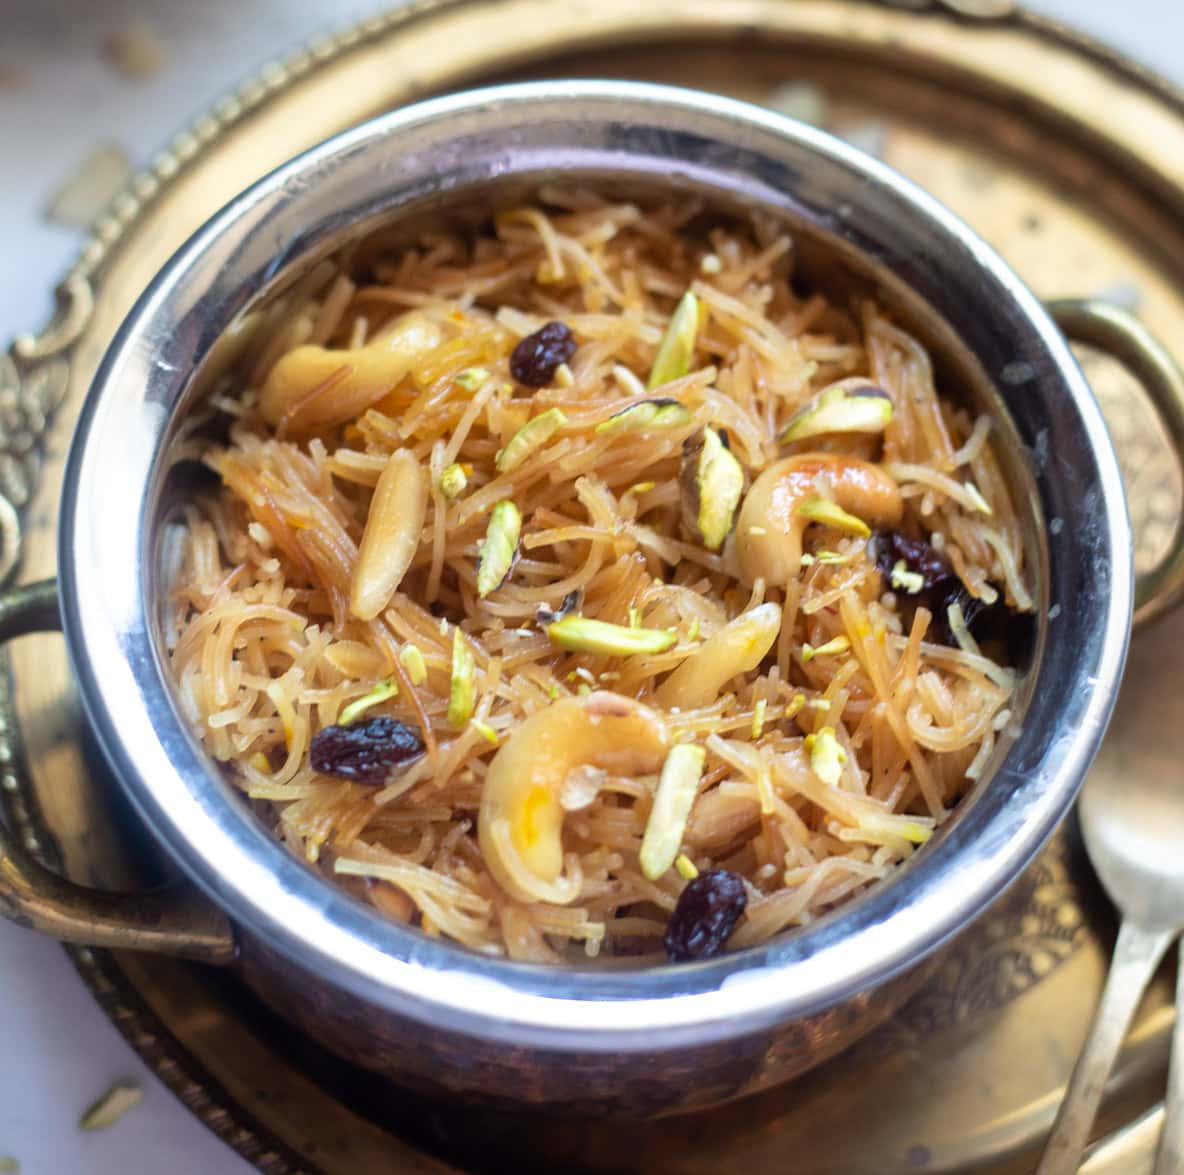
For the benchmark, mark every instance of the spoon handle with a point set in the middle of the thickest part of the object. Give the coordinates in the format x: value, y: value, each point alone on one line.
x: 1169, y: 1160
x: 1136, y: 955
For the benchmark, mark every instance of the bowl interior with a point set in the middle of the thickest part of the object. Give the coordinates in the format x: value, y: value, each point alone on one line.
x: 858, y: 229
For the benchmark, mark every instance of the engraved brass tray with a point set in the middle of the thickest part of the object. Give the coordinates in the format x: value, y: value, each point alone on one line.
x: 1071, y: 162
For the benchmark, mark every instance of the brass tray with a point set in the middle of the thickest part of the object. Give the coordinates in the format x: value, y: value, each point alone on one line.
x: 1068, y: 159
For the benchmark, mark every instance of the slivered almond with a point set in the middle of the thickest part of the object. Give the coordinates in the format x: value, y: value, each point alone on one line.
x: 393, y: 529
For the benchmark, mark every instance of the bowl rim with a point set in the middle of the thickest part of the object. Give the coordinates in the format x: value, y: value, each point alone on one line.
x: 305, y: 918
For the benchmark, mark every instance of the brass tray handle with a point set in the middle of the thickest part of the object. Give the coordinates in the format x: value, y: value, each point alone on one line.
x: 174, y: 920
x: 178, y: 921
x: 1119, y: 333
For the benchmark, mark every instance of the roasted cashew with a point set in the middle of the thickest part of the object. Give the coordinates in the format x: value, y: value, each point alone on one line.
x: 314, y: 387
x: 520, y: 823
x: 769, y: 530
x: 739, y: 647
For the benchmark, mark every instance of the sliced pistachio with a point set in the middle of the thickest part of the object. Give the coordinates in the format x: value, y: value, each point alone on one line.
x: 712, y: 482
x: 838, y: 644
x: 835, y: 558
x: 686, y: 867
x: 758, y: 717
x: 796, y: 706
x: 662, y: 412
x: 831, y: 514
x: 472, y: 378
x: 908, y: 828
x: 412, y: 660
x: 112, y: 1106
x: 453, y: 481
x: 826, y: 755
x: 500, y: 548
x: 485, y: 731
x: 851, y: 405
x: 564, y: 376
x: 677, y: 347
x: 578, y: 634
x: 382, y: 692
x: 905, y: 580
x: 462, y: 688
x: 677, y: 787
x: 976, y: 496
x: 532, y: 435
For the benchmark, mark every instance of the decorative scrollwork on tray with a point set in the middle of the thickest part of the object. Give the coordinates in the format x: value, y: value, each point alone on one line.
x: 33, y: 381
x: 1035, y: 929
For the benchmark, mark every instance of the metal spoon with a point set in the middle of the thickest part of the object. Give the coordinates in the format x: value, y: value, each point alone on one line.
x: 1133, y: 823
x: 1134, y: 832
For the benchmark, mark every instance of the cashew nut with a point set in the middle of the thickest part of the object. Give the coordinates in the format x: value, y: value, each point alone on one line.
x: 313, y: 387
x: 520, y: 823
x: 738, y: 647
x: 769, y: 530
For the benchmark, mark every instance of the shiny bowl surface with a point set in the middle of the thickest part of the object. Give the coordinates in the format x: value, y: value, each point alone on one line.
x: 411, y: 1005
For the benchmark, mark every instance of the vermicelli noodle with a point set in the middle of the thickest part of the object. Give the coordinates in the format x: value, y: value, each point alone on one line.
x: 506, y: 517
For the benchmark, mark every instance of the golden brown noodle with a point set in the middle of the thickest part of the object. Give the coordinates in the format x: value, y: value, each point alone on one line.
x: 267, y: 651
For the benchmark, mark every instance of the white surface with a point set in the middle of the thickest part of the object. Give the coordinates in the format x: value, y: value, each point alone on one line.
x: 59, y: 98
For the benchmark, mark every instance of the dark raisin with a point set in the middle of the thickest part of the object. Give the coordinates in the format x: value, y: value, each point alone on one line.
x: 1000, y: 629
x: 364, y: 752
x: 534, y: 360
x: 918, y: 556
x: 705, y: 916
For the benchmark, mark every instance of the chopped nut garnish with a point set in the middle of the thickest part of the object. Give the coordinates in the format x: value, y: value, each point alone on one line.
x: 758, y: 717
x: 532, y: 435
x: 485, y: 731
x: 112, y: 1106
x: 677, y: 787
x: 838, y: 644
x: 659, y: 413
x: 578, y: 634
x: 500, y: 548
x: 851, y: 405
x: 975, y: 494
x: 831, y: 514
x: 383, y: 692
x: 906, y: 580
x: 686, y: 867
x: 677, y: 347
x: 462, y: 687
x: 453, y: 481
x: 472, y: 378
x: 826, y: 755
x: 412, y: 660
x: 712, y: 482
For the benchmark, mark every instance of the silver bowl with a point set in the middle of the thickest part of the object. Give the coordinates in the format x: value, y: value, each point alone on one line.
x: 665, y: 1038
